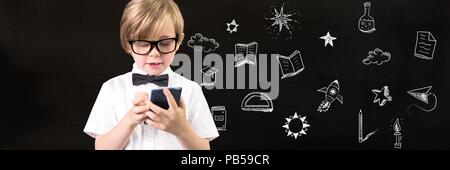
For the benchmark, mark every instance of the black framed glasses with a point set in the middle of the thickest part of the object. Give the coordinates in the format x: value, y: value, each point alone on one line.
x: 164, y: 46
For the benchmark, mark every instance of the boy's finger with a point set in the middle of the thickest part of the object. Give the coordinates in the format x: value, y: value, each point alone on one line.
x: 182, y: 104
x: 170, y: 100
x: 139, y: 109
x: 153, y: 123
x: 153, y: 107
x: 153, y: 116
x: 140, y: 117
x: 139, y: 97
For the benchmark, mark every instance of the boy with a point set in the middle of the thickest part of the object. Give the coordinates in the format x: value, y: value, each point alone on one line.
x: 122, y: 117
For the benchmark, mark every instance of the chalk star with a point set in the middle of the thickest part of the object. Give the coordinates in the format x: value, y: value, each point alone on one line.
x: 232, y: 25
x: 281, y: 19
x: 385, y: 97
x: 328, y: 39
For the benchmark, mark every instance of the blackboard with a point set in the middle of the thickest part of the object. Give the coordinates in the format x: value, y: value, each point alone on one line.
x: 56, y: 54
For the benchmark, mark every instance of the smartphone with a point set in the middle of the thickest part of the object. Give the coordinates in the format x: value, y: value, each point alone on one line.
x: 157, y: 96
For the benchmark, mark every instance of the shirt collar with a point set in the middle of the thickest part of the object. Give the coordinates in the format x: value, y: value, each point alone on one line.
x: 167, y: 71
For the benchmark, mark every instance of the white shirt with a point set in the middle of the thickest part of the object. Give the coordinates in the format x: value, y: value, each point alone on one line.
x: 115, y: 100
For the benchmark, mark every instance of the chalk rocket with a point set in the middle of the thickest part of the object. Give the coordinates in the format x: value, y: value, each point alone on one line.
x: 331, y: 94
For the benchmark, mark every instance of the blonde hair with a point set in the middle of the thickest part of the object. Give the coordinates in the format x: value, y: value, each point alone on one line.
x: 146, y: 19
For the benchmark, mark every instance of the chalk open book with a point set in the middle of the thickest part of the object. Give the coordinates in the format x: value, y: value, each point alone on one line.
x: 292, y: 65
x: 245, y: 53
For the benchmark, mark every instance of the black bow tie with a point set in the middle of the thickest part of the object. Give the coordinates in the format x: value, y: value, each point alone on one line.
x: 162, y: 80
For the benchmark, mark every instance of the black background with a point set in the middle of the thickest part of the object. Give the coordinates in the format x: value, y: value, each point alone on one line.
x: 56, y: 54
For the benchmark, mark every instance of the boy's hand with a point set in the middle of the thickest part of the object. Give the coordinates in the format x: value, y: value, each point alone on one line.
x: 137, y: 113
x: 172, y: 120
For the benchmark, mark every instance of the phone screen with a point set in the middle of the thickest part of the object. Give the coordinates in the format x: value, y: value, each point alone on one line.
x: 157, y: 96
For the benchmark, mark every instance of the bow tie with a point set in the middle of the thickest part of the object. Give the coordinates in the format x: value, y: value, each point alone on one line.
x: 162, y: 80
